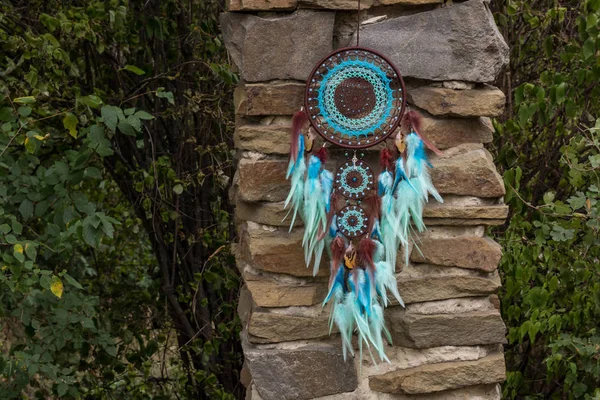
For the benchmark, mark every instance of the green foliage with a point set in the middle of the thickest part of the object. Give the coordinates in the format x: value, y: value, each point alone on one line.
x: 549, y: 146
x: 116, y: 278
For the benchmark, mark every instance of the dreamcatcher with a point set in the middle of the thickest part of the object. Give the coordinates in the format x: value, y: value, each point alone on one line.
x: 355, y: 99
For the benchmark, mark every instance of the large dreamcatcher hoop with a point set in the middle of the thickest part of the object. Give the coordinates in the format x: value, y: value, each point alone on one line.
x: 355, y: 98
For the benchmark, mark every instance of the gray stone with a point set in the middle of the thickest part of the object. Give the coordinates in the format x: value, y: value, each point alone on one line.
x: 460, y: 42
x: 271, y: 327
x: 277, y: 47
x: 259, y: 5
x: 300, y: 373
x: 443, y: 376
x: 457, y: 329
x: 487, y: 102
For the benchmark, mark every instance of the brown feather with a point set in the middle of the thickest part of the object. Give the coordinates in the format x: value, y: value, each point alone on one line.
x: 415, y: 120
x: 298, y: 121
x: 338, y: 248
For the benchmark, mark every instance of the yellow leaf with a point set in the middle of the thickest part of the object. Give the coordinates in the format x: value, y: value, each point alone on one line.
x: 18, y: 248
x: 40, y: 137
x: 56, y: 287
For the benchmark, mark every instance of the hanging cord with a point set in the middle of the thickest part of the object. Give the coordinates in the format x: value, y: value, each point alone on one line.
x: 358, y: 24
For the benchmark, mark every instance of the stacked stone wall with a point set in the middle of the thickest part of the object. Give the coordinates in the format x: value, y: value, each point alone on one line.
x: 447, y: 342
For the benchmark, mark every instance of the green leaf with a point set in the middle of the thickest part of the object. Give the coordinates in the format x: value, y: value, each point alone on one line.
x: 24, y: 111
x: 62, y: 389
x: 92, y: 101
x: 589, y: 48
x: 70, y: 122
x: 126, y: 128
x: 110, y: 116
x: 17, y: 227
x: 143, y: 115
x: 134, y: 69
x: 25, y: 100
x: 4, y: 228
x: 26, y: 209
x: 71, y: 281
x: 6, y: 113
x: 160, y: 93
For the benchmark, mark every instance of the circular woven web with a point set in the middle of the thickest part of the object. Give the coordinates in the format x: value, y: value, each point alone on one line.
x: 355, y: 98
x: 352, y: 221
x: 354, y: 181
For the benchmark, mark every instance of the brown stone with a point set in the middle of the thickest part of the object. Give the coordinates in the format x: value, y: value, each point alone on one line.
x: 482, y: 212
x: 265, y: 213
x: 468, y: 173
x: 462, y: 222
x: 488, y: 102
x: 337, y: 4
x: 442, y: 376
x: 300, y: 373
x: 269, y: 98
x: 267, y: 139
x: 407, y: 2
x: 277, y: 47
x: 276, y: 251
x: 459, y: 329
x: 462, y: 251
x: 262, y: 180
x: 429, y: 288
x: 270, y: 327
x: 257, y: 5
x: 451, y: 132
x: 268, y: 293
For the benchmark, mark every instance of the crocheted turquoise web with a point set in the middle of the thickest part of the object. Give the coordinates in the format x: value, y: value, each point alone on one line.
x: 383, y: 94
x: 352, y: 221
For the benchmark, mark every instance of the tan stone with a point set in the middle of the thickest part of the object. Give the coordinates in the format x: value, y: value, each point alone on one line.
x: 269, y: 98
x: 262, y: 180
x: 406, y: 2
x: 276, y: 251
x: 464, y: 252
x: 267, y: 139
x: 270, y: 327
x: 454, y: 329
x: 265, y: 213
x: 269, y: 293
x: 257, y: 5
x: 469, y: 171
x: 442, y: 376
x: 429, y: 288
x: 482, y: 212
x: 488, y: 102
x: 337, y: 4
x: 434, y: 214
x: 451, y: 132
x: 462, y: 222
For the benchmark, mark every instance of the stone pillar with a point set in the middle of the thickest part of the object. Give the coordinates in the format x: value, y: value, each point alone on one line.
x: 447, y: 343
